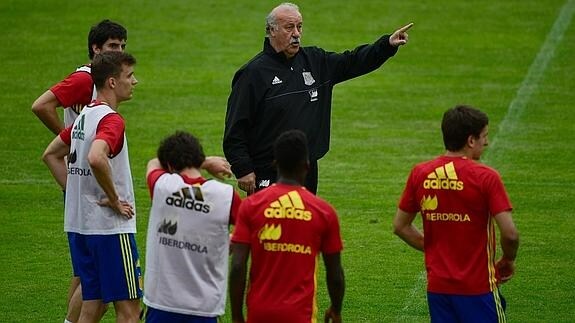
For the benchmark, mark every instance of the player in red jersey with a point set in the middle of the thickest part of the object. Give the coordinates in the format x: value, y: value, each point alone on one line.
x: 285, y: 228
x: 77, y: 90
x: 460, y: 201
x: 73, y: 93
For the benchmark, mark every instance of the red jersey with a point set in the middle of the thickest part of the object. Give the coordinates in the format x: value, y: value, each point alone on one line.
x: 74, y: 92
x: 286, y: 227
x: 457, y: 198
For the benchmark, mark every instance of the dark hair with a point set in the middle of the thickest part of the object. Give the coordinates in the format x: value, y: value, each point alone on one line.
x: 459, y: 123
x: 103, y: 31
x: 290, y: 151
x: 109, y: 64
x: 181, y: 150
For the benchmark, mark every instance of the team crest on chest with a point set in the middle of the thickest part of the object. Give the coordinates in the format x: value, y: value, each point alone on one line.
x: 308, y: 78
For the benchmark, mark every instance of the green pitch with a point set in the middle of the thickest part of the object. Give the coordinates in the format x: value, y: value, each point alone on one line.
x: 513, y: 59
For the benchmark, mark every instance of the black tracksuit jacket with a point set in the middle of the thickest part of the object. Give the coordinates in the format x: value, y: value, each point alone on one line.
x: 271, y: 94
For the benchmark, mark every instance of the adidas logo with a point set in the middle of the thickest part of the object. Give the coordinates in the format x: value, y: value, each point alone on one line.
x: 78, y: 130
x: 168, y: 227
x: 443, y: 178
x: 428, y: 203
x: 184, y: 199
x: 77, y: 108
x: 276, y: 80
x: 288, y: 206
x: 270, y: 232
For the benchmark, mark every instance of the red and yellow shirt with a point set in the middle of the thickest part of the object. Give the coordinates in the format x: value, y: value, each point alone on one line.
x: 458, y: 199
x: 287, y: 227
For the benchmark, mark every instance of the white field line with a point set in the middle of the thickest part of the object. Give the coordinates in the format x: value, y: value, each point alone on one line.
x: 534, y: 75
x: 413, y: 303
x: 511, y: 119
x: 27, y: 181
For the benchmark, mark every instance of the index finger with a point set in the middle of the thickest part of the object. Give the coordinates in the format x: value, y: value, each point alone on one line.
x: 406, y: 27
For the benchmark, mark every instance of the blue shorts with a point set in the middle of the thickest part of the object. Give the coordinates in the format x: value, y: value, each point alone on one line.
x: 158, y: 316
x: 485, y: 308
x: 71, y: 238
x: 108, y: 266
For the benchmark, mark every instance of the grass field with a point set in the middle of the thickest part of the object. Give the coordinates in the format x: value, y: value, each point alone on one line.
x: 513, y: 59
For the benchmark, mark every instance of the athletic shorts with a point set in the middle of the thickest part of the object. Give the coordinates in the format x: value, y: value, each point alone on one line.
x: 485, y: 308
x: 72, y: 237
x: 158, y: 316
x: 108, y: 266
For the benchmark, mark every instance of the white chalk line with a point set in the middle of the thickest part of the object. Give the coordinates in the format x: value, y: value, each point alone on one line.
x: 509, y: 122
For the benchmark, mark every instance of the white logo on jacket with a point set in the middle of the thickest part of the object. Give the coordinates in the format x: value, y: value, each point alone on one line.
x: 307, y: 78
x: 313, y: 95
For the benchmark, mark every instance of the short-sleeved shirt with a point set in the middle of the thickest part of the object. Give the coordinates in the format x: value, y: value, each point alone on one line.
x: 74, y: 92
x: 458, y: 199
x: 286, y: 227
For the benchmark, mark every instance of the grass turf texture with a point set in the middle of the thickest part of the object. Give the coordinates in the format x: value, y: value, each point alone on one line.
x: 475, y: 52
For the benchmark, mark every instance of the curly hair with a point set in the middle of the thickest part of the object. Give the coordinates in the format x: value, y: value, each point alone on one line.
x: 179, y: 151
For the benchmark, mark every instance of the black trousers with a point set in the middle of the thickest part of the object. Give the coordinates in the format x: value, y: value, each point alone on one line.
x: 265, y: 178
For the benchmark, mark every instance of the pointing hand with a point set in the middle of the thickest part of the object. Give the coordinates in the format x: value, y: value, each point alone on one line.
x: 400, y: 36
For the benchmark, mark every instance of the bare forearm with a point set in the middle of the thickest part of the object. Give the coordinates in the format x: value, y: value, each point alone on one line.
x: 237, y: 288
x: 403, y: 227
x: 50, y: 120
x: 509, y: 247
x: 45, y: 109
x: 509, y: 235
x: 58, y: 169
x: 54, y: 158
x: 336, y: 290
x: 412, y: 236
x: 103, y: 174
x: 217, y: 166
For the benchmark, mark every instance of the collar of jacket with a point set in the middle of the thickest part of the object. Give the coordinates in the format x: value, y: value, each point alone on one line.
x: 280, y: 57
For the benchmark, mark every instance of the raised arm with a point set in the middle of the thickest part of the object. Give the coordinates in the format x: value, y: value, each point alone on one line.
x: 153, y: 164
x: 400, y: 36
x: 217, y: 166
x: 366, y: 58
